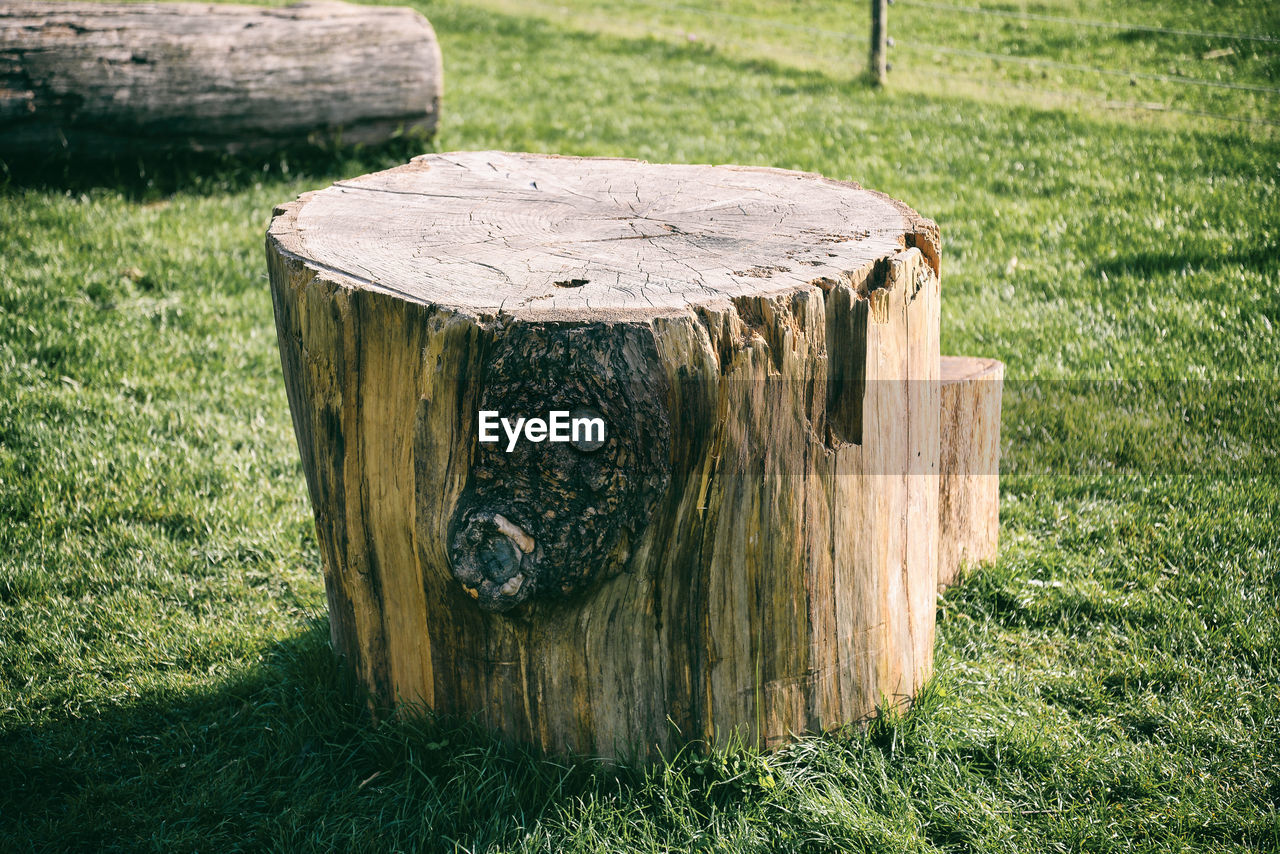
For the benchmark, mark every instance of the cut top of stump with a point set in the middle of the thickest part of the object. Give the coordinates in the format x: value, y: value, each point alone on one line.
x: 545, y: 237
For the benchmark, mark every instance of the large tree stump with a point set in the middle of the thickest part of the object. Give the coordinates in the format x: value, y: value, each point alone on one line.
x: 969, y: 498
x: 753, y: 545
x: 100, y: 79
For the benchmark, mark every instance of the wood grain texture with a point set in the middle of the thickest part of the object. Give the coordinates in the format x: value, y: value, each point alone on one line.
x: 550, y: 238
x: 969, y: 500
x: 754, y: 548
x: 101, y: 79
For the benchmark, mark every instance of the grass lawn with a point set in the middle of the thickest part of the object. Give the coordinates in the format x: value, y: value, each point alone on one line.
x: 1112, y: 683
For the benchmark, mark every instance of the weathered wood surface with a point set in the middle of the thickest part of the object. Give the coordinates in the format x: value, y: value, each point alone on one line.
x: 969, y: 499
x: 754, y: 546
x: 100, y: 79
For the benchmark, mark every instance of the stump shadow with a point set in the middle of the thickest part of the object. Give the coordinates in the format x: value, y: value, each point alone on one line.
x: 283, y: 755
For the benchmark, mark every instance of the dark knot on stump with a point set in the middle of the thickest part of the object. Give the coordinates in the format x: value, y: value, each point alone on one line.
x: 544, y: 518
x: 488, y: 558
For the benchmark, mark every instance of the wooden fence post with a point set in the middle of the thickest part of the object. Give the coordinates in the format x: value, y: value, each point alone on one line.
x: 879, y: 30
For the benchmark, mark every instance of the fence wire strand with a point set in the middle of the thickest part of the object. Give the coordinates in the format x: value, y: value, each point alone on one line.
x: 1084, y: 22
x: 763, y: 22
x: 1072, y: 66
x: 1099, y: 99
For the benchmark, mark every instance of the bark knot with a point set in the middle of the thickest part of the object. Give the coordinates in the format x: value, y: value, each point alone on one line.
x: 542, y: 519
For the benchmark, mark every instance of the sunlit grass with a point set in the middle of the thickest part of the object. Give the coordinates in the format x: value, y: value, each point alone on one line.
x: 1110, y: 684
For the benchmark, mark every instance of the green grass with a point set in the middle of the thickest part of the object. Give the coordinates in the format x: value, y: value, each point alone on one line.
x: 1112, y: 683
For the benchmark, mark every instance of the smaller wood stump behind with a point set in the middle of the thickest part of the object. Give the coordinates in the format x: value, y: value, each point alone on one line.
x: 969, y: 500
x: 753, y: 546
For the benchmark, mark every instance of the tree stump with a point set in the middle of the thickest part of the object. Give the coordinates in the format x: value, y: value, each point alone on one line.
x: 751, y: 544
x: 101, y: 79
x: 969, y: 491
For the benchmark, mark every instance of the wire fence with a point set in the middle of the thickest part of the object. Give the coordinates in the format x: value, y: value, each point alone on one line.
x: 1084, y: 22
x: 1072, y: 66
x: 921, y: 48
x: 1111, y: 103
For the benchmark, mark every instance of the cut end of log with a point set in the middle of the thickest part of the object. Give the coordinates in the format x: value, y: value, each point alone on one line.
x: 967, y: 369
x: 528, y: 236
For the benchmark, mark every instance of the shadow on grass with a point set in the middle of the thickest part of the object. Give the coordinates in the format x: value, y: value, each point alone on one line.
x: 153, y: 176
x: 1258, y: 257
x: 284, y: 756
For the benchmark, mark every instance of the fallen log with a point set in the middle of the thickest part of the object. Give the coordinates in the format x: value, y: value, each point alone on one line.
x: 104, y: 79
